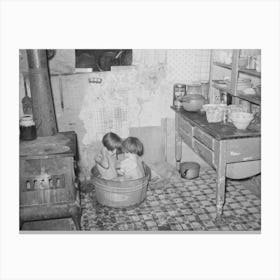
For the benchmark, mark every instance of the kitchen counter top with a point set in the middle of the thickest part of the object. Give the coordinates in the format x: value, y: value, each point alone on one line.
x: 218, y: 130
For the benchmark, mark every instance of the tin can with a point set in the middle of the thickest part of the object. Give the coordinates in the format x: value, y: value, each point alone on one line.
x: 179, y: 91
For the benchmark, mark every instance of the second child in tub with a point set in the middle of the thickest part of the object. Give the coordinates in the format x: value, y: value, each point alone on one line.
x: 131, y: 167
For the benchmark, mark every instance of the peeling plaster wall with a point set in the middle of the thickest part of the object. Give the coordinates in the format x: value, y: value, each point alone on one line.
x: 137, y: 96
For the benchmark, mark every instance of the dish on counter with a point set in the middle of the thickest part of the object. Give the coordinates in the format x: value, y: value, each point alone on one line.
x: 215, y: 112
x: 241, y: 120
x: 233, y: 108
x: 193, y: 102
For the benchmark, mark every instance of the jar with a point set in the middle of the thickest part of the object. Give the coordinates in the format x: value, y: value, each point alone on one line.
x: 179, y: 91
x: 27, y: 128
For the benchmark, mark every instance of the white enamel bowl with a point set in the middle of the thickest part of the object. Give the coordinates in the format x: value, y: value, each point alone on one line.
x: 241, y: 120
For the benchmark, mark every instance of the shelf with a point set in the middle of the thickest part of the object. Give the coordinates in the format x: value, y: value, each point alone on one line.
x: 250, y: 72
x: 251, y: 98
x: 255, y: 99
x: 223, y: 65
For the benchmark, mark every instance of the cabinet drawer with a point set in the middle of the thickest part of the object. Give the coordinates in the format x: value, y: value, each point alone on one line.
x: 187, y: 138
x: 243, y: 149
x: 204, y: 152
x: 204, y: 138
x: 185, y: 126
x: 242, y: 170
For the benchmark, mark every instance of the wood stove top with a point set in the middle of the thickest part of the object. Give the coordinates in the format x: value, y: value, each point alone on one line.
x: 60, y: 144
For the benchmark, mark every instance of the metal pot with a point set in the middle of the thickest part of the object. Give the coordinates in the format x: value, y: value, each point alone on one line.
x: 193, y: 102
x: 189, y: 170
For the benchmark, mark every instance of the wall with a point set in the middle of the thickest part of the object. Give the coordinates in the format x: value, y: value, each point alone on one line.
x: 129, y: 100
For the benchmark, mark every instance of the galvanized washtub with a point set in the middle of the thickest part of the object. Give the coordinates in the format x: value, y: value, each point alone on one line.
x: 120, y: 194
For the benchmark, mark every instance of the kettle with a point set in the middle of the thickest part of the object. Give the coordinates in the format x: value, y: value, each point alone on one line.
x: 189, y: 170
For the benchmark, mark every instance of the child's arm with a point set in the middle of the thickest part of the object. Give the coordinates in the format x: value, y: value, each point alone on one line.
x: 102, y: 160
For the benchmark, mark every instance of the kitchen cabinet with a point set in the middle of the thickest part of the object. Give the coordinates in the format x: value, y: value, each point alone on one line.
x: 231, y: 152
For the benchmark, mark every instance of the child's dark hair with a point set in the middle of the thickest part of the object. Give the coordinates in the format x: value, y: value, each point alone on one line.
x: 112, y: 141
x: 133, y: 145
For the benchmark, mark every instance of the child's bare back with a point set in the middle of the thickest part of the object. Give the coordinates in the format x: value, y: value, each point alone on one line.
x: 106, y: 159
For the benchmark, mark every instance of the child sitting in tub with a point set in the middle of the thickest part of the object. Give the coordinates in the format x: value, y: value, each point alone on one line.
x: 131, y: 166
x: 106, y: 159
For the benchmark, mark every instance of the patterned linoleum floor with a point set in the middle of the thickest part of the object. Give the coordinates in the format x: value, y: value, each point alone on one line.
x: 178, y: 205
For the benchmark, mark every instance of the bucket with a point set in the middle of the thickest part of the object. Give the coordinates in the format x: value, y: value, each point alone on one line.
x: 189, y: 170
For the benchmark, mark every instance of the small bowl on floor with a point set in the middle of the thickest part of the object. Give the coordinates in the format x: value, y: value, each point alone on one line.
x: 189, y: 170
